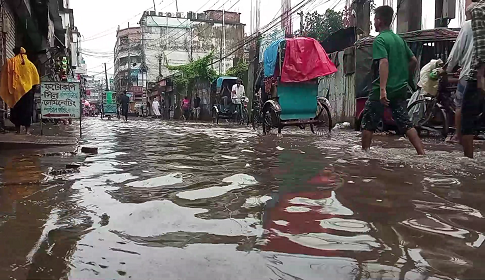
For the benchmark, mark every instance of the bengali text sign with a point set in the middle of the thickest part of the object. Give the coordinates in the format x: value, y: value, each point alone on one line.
x: 60, y: 100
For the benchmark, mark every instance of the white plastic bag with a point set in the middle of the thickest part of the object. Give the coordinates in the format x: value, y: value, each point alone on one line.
x: 416, y: 113
x: 428, y: 85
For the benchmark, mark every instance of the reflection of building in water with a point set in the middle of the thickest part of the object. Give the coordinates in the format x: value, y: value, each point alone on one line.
x: 21, y: 177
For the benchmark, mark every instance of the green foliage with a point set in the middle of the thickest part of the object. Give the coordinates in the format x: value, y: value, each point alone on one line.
x: 319, y: 26
x: 189, y: 73
x: 240, y: 70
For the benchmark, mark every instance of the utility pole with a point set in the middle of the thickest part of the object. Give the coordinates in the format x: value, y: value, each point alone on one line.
x: 286, y: 22
x: 409, y: 15
x: 106, y: 77
x: 160, y: 66
x: 224, y: 39
x: 154, y: 7
x: 128, y: 83
x: 362, y: 12
x: 302, y: 23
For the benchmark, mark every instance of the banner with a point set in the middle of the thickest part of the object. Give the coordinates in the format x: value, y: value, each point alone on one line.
x: 60, y: 100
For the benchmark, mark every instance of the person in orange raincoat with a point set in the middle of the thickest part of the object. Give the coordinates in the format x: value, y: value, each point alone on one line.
x: 19, y: 79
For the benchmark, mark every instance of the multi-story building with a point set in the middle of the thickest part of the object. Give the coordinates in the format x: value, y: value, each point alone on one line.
x: 46, y: 30
x: 127, y: 59
x: 176, y: 39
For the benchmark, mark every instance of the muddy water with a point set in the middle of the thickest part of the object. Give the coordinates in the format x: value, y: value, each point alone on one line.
x: 173, y: 201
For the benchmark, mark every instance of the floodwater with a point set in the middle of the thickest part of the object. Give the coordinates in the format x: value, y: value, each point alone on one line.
x: 168, y: 200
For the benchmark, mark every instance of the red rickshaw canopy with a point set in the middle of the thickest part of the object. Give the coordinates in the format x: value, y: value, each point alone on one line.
x: 305, y: 59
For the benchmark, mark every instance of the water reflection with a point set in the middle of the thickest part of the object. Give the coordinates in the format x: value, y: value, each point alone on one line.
x: 167, y: 200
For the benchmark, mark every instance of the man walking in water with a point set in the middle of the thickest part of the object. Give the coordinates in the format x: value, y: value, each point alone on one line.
x: 474, y: 96
x: 125, y: 101
x: 462, y: 55
x: 390, y: 55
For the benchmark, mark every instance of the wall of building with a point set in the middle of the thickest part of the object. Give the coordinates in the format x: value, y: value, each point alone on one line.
x: 128, y: 47
x: 341, y: 90
x: 8, y: 38
x: 177, y: 41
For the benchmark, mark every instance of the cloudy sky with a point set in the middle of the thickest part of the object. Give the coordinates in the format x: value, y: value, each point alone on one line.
x: 97, y: 20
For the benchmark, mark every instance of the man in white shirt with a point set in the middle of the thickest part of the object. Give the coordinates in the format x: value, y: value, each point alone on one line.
x: 237, y: 94
x: 462, y: 55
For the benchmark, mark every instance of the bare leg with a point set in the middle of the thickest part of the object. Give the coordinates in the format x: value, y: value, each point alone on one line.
x: 27, y: 130
x: 366, y: 139
x: 467, y: 142
x: 413, y: 136
x: 457, y: 136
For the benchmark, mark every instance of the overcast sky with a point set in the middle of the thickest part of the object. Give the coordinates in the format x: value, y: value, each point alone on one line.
x: 97, y: 20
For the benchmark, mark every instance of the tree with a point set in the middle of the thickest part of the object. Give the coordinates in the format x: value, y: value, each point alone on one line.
x: 319, y: 26
x: 239, y: 70
x: 188, y: 74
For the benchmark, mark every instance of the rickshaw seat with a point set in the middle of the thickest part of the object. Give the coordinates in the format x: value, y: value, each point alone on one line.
x: 298, y: 100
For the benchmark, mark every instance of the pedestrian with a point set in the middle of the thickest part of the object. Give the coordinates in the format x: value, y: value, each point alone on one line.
x: 19, y: 81
x: 237, y: 93
x: 125, y: 101
x: 390, y: 53
x: 462, y: 55
x: 473, y: 96
x: 186, y: 107
x: 164, y: 108
x: 156, y: 107
x: 197, y: 106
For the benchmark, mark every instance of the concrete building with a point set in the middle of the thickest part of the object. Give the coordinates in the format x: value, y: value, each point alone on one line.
x: 127, y: 59
x: 46, y: 30
x: 177, y: 38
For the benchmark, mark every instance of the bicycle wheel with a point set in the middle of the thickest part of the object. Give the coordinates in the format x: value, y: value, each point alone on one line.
x: 270, y: 120
x: 433, y: 120
x: 324, y: 126
x: 256, y: 119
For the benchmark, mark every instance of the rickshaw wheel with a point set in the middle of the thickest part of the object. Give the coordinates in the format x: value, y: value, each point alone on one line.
x: 324, y: 126
x: 270, y: 120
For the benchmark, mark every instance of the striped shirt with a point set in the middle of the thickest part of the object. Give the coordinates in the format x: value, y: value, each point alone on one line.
x: 478, y: 27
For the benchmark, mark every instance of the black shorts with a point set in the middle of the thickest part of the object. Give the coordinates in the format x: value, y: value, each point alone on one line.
x: 374, y: 111
x: 473, y: 102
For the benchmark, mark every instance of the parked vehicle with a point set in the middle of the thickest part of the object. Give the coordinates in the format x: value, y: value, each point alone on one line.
x: 292, y: 86
x: 222, y: 105
x: 110, y: 107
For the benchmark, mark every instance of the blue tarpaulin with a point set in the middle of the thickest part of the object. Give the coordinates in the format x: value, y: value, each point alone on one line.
x: 220, y: 80
x: 270, y: 56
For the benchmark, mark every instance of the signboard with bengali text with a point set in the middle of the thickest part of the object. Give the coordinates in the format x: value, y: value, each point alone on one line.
x: 60, y: 100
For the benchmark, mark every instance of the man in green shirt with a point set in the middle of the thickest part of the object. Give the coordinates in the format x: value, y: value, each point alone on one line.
x: 393, y: 62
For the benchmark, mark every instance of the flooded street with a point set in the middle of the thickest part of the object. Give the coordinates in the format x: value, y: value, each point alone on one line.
x: 168, y: 200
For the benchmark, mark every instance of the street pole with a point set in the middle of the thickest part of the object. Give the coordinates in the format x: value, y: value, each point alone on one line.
x: 302, y: 23
x: 223, y: 40
x: 106, y: 77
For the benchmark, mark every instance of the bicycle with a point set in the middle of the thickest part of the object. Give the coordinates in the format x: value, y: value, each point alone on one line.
x: 434, y: 113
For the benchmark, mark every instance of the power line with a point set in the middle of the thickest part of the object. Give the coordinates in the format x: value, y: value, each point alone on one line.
x: 174, y: 29
x: 270, y: 25
x: 206, y: 27
x: 95, y: 36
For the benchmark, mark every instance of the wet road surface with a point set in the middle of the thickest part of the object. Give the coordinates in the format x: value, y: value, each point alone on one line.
x: 168, y: 200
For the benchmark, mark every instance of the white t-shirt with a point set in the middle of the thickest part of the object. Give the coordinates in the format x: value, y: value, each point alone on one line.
x: 237, y: 93
x: 462, y: 52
